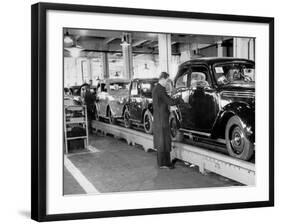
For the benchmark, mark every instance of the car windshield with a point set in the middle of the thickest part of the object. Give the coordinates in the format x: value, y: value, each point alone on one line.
x: 120, y: 86
x: 146, y: 88
x: 234, y: 73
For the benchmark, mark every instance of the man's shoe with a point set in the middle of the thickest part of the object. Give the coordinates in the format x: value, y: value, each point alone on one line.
x: 167, y: 167
x: 171, y: 167
x: 174, y: 161
x: 164, y: 167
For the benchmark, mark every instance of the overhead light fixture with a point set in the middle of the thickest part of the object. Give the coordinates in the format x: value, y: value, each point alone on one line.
x: 70, y: 44
x: 75, y: 51
x: 68, y: 40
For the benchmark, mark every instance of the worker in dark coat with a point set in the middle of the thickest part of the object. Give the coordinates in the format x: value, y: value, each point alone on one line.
x: 161, y: 129
x: 89, y: 101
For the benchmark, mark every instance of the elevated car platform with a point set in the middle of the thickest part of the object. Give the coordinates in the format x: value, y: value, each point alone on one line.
x: 207, y: 161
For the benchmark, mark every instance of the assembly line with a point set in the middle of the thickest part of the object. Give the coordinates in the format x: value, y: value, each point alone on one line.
x: 133, y: 128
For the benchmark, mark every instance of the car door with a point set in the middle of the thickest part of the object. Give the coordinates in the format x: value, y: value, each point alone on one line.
x: 140, y: 100
x: 134, y: 98
x: 146, y: 87
x: 182, y: 85
x: 102, y: 99
x: 202, y: 99
x: 98, y: 111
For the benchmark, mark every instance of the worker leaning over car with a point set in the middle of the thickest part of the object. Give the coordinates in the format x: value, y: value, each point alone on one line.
x: 161, y: 129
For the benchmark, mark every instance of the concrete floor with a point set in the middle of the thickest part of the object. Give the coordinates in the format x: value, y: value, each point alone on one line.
x: 71, y: 186
x: 114, y: 166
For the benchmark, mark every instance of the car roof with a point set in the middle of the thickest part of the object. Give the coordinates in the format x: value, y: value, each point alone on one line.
x: 115, y: 80
x: 213, y: 60
x: 145, y: 79
x: 74, y: 87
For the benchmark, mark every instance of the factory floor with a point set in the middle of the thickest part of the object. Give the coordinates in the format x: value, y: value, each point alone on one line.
x: 111, y: 165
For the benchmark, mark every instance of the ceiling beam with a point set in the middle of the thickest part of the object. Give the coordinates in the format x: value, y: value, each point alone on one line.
x: 94, y: 33
x: 110, y: 39
x: 137, y: 43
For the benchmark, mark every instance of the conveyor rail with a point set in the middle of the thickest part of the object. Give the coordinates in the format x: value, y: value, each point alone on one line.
x: 232, y: 168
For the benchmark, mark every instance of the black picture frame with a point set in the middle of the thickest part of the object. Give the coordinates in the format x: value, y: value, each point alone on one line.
x: 39, y: 107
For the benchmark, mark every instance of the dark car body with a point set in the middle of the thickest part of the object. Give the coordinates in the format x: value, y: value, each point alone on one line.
x: 69, y: 101
x: 219, y: 99
x: 138, y: 110
x: 77, y: 92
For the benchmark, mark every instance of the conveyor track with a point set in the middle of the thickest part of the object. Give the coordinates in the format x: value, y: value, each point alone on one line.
x: 207, y: 161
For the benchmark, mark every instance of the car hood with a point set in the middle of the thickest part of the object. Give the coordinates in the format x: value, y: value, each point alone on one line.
x: 120, y: 93
x: 239, y: 87
x: 239, y: 92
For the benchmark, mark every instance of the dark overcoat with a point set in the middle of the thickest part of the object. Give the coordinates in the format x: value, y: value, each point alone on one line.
x: 161, y: 129
x: 89, y: 101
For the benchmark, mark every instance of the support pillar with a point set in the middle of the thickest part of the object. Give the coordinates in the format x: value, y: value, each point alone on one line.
x: 89, y: 65
x: 244, y: 48
x: 105, y: 66
x: 77, y: 72
x: 252, y: 49
x: 165, y: 52
x: 219, y: 49
x: 185, y: 50
x: 127, y: 55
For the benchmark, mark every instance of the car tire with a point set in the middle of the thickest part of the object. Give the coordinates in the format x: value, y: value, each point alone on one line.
x: 176, y: 134
x: 237, y: 143
x: 148, y: 122
x: 111, y: 119
x: 126, y: 117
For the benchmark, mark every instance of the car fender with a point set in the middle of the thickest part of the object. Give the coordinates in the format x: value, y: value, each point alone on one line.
x: 176, y: 112
x: 246, y: 114
x: 97, y: 108
x: 113, y: 108
x: 126, y: 105
x: 149, y: 107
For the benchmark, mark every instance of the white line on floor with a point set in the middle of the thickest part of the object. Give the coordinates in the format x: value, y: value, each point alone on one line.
x: 92, y: 149
x: 78, y: 153
x: 79, y: 177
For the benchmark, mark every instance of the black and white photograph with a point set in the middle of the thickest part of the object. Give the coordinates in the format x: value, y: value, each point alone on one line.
x: 141, y: 112
x: 157, y: 111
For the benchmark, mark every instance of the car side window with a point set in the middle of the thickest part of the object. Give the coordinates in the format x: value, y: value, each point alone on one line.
x: 182, y: 81
x: 199, y: 77
x: 103, y: 87
x: 134, y: 89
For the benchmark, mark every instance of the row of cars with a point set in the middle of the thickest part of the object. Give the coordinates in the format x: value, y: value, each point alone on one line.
x: 128, y: 100
x: 218, y: 103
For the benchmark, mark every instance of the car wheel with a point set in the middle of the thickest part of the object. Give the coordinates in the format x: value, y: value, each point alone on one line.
x: 176, y: 134
x: 237, y: 143
x: 148, y: 122
x: 111, y: 119
x: 127, y: 121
